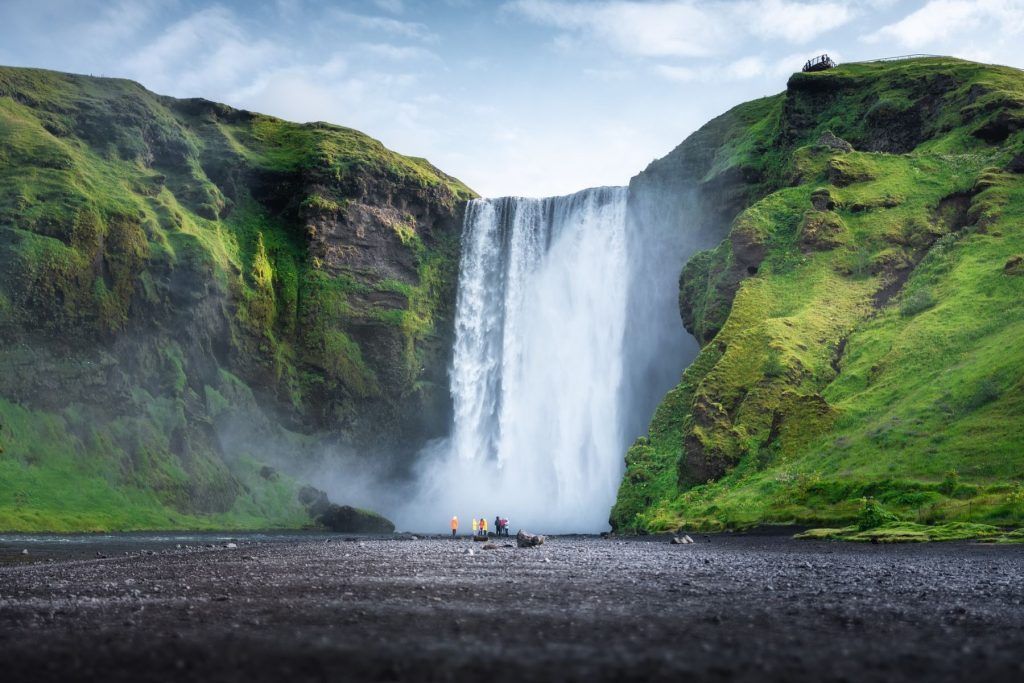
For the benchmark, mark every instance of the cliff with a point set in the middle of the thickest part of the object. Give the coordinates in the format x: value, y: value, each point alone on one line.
x: 189, y: 292
x: 858, y: 319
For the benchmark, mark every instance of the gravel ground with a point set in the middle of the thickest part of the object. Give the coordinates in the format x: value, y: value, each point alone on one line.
x: 577, y: 608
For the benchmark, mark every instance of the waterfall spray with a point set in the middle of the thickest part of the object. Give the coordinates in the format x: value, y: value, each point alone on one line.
x: 548, y: 326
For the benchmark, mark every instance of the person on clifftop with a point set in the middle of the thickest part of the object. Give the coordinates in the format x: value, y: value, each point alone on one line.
x: 475, y: 526
x: 483, y: 527
x: 455, y: 526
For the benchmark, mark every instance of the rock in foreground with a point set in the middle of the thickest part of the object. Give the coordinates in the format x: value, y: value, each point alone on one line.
x: 528, y: 540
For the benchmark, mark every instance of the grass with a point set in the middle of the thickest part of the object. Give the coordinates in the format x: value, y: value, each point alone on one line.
x: 872, y: 363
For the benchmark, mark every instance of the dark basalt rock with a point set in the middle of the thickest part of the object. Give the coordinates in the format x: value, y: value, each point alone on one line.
x: 832, y: 141
x: 314, y: 500
x: 528, y: 540
x: 347, y: 519
x: 821, y: 199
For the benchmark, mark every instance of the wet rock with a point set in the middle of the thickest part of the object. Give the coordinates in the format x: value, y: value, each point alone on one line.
x: 230, y: 545
x: 25, y: 551
x: 489, y: 546
x: 528, y: 540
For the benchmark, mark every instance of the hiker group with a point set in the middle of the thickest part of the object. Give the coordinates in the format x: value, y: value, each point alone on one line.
x: 480, y: 529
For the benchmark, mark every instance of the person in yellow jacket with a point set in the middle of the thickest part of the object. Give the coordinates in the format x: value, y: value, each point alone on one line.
x: 455, y: 525
x: 475, y: 526
x: 483, y: 526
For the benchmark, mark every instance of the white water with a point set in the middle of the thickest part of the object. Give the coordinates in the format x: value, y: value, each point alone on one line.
x: 537, y: 377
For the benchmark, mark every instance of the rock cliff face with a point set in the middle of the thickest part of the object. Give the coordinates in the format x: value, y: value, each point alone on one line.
x: 849, y: 320
x: 188, y: 291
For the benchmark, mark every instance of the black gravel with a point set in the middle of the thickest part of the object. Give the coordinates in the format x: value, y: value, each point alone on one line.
x: 577, y: 608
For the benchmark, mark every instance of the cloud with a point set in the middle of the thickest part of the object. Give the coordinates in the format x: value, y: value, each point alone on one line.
x: 686, y: 28
x: 395, y: 53
x: 738, y: 70
x: 940, y: 20
x: 660, y: 29
x: 217, y: 51
x: 393, y: 6
x: 362, y: 22
x: 794, y: 22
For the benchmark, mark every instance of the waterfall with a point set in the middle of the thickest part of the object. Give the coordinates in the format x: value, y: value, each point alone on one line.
x: 538, y: 378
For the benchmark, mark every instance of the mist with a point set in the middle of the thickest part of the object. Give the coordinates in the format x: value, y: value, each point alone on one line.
x: 566, y: 336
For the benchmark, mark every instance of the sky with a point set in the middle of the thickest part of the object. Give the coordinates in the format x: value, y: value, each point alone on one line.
x: 514, y: 97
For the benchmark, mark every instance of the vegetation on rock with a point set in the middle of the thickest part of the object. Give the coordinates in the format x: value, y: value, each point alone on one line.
x: 188, y: 290
x: 860, y: 323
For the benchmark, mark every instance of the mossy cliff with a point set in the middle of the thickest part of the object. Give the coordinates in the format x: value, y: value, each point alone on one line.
x: 860, y: 320
x: 188, y: 291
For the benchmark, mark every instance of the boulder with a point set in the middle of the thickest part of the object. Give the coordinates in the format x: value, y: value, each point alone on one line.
x: 1015, y: 265
x: 822, y: 230
x: 345, y: 518
x: 821, y: 199
x: 528, y: 540
x: 314, y: 500
x: 833, y: 141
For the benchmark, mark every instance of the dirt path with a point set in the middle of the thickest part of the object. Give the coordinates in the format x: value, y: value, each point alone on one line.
x: 748, y: 608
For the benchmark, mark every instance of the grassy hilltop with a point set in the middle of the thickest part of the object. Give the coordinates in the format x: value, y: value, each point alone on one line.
x: 189, y: 291
x: 862, y: 322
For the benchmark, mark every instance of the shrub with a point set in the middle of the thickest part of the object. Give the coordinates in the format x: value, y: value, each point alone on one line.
x: 872, y: 515
x: 773, y: 365
x: 860, y: 262
x: 950, y: 482
x: 986, y: 391
x: 916, y: 301
x: 1015, y: 498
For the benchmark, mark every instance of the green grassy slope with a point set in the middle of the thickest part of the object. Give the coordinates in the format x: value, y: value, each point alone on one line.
x: 170, y: 269
x: 861, y: 323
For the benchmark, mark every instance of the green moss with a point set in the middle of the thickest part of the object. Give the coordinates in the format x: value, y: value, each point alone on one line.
x: 870, y: 363
x: 908, y: 532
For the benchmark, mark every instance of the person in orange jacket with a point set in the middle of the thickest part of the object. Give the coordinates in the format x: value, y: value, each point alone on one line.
x: 455, y: 526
